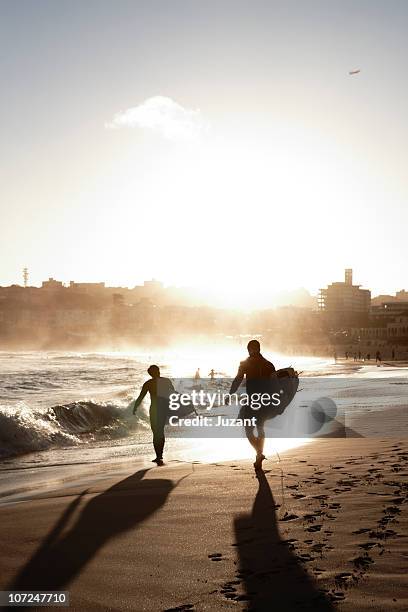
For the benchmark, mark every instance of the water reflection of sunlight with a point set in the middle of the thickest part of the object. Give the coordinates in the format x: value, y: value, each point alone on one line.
x: 209, y: 450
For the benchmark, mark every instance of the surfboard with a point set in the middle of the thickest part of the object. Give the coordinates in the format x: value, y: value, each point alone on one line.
x: 286, y: 385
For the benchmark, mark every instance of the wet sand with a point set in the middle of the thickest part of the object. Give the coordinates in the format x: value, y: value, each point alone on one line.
x: 325, y: 528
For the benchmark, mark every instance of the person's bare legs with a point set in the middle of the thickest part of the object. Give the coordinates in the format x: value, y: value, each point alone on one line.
x: 252, y: 439
x: 260, y: 441
x: 157, y: 423
x: 257, y: 443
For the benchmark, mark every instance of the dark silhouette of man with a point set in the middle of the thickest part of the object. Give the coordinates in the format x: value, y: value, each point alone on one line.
x: 258, y: 371
x: 160, y: 389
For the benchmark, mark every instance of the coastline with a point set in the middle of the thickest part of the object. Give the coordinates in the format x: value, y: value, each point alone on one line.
x: 28, y: 472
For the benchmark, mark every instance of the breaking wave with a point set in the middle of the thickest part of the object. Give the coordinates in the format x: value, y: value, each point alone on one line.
x: 24, y: 429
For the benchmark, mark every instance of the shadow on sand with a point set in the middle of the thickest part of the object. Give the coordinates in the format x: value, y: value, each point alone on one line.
x: 273, y: 577
x: 61, y: 557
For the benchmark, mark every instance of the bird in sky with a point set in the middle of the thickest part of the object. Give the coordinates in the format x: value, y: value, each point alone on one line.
x: 354, y: 71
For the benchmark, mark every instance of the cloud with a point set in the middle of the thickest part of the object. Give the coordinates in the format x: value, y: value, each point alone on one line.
x: 162, y: 115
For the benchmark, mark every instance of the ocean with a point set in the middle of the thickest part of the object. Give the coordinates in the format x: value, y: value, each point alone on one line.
x: 71, y: 409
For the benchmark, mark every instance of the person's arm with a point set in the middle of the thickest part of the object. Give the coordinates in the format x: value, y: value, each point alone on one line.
x: 142, y: 394
x: 171, y: 386
x: 238, y: 379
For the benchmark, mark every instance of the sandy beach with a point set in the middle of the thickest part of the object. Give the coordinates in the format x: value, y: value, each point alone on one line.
x: 324, y: 528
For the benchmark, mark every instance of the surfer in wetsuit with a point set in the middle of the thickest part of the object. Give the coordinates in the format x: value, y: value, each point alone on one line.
x: 258, y: 371
x: 160, y: 389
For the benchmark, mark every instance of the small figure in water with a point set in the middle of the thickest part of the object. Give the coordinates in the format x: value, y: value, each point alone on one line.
x: 378, y: 358
x: 160, y: 389
x: 257, y: 370
x: 212, y: 374
x: 197, y: 375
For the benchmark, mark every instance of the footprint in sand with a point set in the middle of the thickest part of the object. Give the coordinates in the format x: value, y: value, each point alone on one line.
x: 383, y: 535
x: 396, y: 467
x: 348, y: 482
x: 398, y: 500
x: 368, y: 545
x: 318, y: 547
x: 229, y: 590
x: 216, y: 557
x: 288, y: 541
x: 360, y: 531
x: 305, y: 558
x: 289, y: 517
x: 345, y: 580
x: 182, y: 608
x: 363, y: 562
x: 310, y: 518
x: 335, y: 596
x: 313, y: 528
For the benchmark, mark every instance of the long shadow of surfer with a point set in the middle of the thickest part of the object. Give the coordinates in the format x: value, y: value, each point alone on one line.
x: 121, y: 508
x: 272, y: 575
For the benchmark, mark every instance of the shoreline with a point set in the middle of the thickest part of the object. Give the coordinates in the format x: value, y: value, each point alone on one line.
x: 63, y: 462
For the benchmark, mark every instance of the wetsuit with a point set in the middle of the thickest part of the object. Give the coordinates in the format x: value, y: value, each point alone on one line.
x: 160, y: 389
x: 258, y: 372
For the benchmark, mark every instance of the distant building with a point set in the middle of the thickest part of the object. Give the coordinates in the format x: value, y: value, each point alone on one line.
x: 153, y: 285
x: 343, y: 302
x: 52, y: 284
x: 379, y: 300
x: 389, y: 309
x: 392, y: 331
x: 399, y: 328
x: 400, y: 296
x: 372, y: 331
x: 86, y: 287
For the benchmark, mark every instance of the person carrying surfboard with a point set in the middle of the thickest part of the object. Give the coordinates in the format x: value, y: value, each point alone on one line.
x: 258, y: 372
x: 160, y: 389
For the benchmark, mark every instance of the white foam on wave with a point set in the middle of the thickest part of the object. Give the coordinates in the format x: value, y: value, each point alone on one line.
x: 24, y: 429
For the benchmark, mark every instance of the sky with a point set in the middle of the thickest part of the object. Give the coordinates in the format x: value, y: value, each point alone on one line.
x: 220, y: 145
